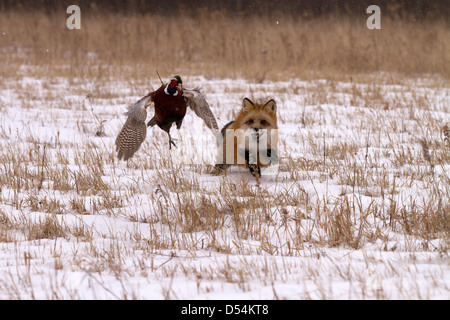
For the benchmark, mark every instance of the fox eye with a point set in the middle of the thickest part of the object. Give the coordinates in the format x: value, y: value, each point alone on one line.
x: 250, y: 121
x: 263, y: 122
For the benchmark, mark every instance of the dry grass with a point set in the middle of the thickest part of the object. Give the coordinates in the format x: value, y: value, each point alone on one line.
x: 364, y: 162
x: 86, y: 180
x: 218, y: 46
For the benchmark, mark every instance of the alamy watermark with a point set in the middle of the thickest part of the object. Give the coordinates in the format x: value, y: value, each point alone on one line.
x: 234, y: 147
x: 374, y: 280
x: 251, y: 146
x: 374, y: 21
x: 74, y: 20
x: 74, y: 277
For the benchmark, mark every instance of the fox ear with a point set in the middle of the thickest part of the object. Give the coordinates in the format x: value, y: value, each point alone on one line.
x: 247, y: 104
x: 270, y: 106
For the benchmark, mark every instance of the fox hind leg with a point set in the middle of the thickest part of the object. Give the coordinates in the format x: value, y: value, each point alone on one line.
x: 220, y: 168
x: 255, y: 170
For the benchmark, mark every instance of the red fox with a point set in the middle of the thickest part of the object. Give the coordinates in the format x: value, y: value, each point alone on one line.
x: 251, y: 140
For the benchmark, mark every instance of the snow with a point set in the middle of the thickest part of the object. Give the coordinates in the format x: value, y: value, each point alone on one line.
x: 129, y: 241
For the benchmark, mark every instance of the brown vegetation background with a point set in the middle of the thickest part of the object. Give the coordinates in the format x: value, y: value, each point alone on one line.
x: 257, y: 40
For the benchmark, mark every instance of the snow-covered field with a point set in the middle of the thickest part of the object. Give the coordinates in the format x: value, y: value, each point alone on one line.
x: 359, y: 208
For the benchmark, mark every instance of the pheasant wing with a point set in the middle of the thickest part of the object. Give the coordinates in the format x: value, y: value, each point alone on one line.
x: 135, y: 109
x: 134, y: 130
x: 130, y: 138
x: 197, y: 102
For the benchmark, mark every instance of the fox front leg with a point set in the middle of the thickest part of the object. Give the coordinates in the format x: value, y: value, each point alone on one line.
x: 251, y: 161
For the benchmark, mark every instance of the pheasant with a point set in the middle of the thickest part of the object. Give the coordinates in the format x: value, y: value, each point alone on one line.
x: 170, y: 102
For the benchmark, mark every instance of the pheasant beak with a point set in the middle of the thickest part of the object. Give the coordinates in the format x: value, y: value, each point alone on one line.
x: 180, y: 87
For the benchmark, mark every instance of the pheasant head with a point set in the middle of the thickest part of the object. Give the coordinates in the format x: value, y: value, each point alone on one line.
x: 174, y: 86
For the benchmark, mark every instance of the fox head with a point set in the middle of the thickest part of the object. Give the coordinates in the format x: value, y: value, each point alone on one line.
x: 258, y: 116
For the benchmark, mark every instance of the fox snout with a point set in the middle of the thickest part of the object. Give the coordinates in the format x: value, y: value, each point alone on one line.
x: 256, y: 132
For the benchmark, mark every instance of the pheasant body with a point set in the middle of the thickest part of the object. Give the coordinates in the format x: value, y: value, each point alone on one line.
x: 169, y: 109
x: 170, y: 102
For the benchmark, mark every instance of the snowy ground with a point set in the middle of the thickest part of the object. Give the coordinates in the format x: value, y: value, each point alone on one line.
x: 356, y: 211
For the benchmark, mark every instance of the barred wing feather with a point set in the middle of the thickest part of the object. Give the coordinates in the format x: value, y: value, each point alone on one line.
x: 197, y: 102
x: 133, y: 132
x: 135, y: 109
